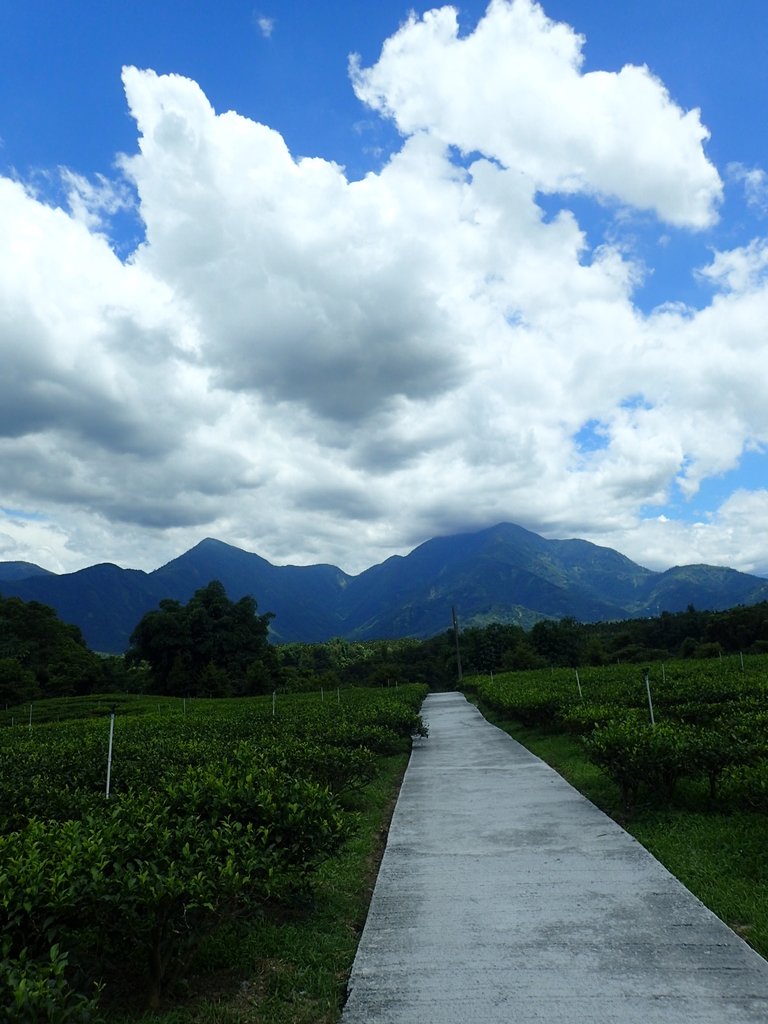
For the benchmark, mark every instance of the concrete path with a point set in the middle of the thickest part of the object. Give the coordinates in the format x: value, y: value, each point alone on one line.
x: 505, y: 896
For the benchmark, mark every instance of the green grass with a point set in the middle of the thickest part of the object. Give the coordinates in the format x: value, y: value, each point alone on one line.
x: 291, y: 967
x: 720, y: 855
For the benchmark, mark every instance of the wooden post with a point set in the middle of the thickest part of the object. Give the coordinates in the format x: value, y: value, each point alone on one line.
x: 456, y: 637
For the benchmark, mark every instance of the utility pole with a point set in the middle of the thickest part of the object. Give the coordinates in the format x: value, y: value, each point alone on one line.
x: 456, y: 637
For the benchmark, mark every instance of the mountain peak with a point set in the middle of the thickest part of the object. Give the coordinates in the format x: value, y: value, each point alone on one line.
x: 212, y: 543
x: 504, y: 573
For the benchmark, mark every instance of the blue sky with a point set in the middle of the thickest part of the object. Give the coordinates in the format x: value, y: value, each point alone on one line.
x: 510, y: 268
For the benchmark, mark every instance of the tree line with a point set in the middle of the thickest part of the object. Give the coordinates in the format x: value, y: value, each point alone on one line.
x: 213, y: 646
x: 41, y: 656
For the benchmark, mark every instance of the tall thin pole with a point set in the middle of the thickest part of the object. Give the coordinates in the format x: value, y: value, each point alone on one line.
x: 109, y: 752
x: 648, y: 691
x: 456, y: 637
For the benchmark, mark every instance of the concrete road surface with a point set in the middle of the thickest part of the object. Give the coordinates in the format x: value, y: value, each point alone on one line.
x: 505, y: 896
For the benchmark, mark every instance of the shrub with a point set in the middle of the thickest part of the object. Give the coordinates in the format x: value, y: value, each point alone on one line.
x: 643, y: 757
x: 38, y: 991
x: 715, y: 751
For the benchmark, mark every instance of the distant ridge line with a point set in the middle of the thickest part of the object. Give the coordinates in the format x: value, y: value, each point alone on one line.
x: 504, y: 573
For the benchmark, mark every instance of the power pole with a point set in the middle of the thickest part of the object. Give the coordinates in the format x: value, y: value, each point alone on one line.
x: 456, y: 637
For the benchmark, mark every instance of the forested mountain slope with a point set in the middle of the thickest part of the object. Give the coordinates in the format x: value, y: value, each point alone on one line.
x: 504, y: 574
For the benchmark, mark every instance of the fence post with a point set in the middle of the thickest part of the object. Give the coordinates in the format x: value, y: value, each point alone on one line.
x: 109, y: 751
x: 648, y: 691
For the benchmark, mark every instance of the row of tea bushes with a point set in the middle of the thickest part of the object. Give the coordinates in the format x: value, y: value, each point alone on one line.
x: 213, y: 815
x: 649, y: 729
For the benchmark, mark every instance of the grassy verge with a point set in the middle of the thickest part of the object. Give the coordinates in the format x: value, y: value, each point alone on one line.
x: 720, y: 855
x: 292, y: 968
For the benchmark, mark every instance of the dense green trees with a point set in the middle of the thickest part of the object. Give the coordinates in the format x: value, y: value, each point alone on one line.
x: 211, y: 646
x: 214, y: 646
x: 41, y: 656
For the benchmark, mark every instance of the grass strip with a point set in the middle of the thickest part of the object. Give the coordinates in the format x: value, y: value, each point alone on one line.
x: 292, y: 967
x: 721, y: 855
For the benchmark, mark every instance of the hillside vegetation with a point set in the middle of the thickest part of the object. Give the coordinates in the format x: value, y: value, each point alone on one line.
x: 504, y: 574
x: 213, y: 646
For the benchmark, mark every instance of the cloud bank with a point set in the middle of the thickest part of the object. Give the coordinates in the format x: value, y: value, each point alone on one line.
x: 325, y: 369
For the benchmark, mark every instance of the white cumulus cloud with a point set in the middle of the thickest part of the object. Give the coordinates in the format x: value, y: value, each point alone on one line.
x: 327, y: 369
x: 513, y: 90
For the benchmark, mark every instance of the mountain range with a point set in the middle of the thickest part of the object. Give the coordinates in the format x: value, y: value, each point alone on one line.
x: 501, y: 574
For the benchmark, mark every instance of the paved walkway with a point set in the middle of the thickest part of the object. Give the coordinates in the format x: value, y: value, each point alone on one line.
x: 505, y: 896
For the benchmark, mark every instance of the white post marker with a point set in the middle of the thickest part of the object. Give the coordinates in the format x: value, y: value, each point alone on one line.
x: 109, y: 750
x: 274, y: 698
x: 578, y: 683
x: 648, y: 691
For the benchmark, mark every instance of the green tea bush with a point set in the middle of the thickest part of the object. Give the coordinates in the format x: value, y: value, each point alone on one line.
x: 582, y: 718
x: 716, y: 751
x: 212, y: 815
x: 746, y: 786
x: 643, y: 757
x: 534, y: 702
x: 341, y: 769
x: 156, y: 870
x: 39, y: 992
